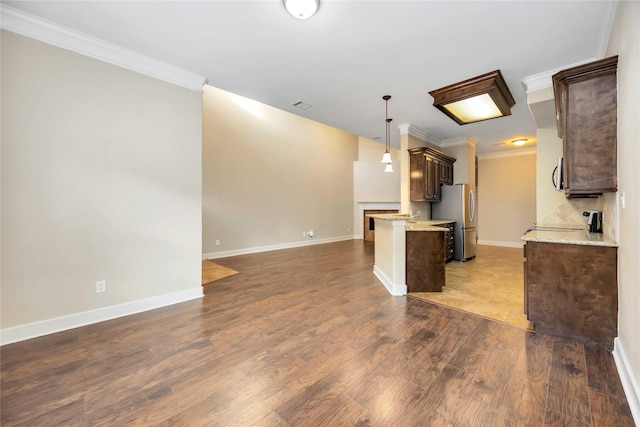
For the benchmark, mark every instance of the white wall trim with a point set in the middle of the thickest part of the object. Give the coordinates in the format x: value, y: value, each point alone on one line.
x: 628, y: 379
x: 502, y: 244
x: 455, y: 142
x: 58, y: 324
x: 408, y: 128
x: 394, y: 289
x: 34, y: 27
x: 510, y: 153
x: 611, y: 7
x: 543, y: 80
x: 234, y: 252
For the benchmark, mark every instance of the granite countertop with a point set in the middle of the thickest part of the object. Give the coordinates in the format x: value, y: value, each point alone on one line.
x: 438, y: 221
x: 415, y: 225
x: 568, y: 236
x: 390, y: 217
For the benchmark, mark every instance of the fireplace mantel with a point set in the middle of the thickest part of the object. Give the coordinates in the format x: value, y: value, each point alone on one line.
x: 365, y: 206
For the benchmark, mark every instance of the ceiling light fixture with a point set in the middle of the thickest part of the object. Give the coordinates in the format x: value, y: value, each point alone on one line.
x: 480, y: 98
x: 519, y: 142
x: 386, y: 158
x: 301, y: 9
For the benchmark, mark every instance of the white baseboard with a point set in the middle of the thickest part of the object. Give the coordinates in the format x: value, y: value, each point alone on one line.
x: 502, y: 244
x: 58, y: 324
x: 394, y: 289
x: 628, y: 379
x: 234, y: 252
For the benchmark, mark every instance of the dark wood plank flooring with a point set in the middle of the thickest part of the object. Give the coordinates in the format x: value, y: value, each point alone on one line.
x: 307, y: 337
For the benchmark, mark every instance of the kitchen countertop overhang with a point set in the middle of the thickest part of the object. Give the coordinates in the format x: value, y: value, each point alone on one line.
x: 414, y: 225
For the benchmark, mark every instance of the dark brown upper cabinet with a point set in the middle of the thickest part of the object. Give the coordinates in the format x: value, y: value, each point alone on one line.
x: 586, y: 112
x: 428, y: 168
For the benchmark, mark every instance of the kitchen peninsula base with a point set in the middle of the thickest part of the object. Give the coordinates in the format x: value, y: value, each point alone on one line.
x: 409, y: 255
x: 425, y: 263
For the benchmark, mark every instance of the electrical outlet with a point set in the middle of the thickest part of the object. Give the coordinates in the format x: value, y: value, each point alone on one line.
x: 304, y: 234
x: 623, y: 202
x: 217, y: 242
x: 101, y: 286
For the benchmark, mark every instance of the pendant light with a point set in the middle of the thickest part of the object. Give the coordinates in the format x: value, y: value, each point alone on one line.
x: 386, y: 158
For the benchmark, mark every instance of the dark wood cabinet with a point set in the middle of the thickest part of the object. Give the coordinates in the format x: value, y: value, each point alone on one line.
x: 586, y: 111
x: 446, y: 173
x: 424, y: 262
x: 429, y: 168
x: 432, y: 180
x: 572, y: 291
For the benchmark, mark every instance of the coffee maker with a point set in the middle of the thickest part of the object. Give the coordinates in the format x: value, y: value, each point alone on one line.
x: 594, y: 222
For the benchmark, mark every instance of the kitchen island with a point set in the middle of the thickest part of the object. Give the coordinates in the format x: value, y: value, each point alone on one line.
x: 570, y: 284
x: 409, y: 255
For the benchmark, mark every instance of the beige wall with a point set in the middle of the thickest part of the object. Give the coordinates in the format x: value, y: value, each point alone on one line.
x: 464, y: 151
x: 506, y: 198
x: 370, y: 182
x: 625, y: 42
x: 101, y: 180
x: 269, y: 175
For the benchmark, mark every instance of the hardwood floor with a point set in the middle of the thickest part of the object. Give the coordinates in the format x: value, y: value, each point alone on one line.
x: 307, y: 337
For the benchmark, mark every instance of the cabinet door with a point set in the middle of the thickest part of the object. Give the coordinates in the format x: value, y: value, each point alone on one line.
x: 573, y: 291
x: 586, y: 103
x: 436, y: 180
x: 446, y: 173
x: 417, y: 181
x: 432, y: 179
x: 590, y: 142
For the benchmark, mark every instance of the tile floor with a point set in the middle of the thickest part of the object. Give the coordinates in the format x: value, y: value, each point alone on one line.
x: 491, y: 285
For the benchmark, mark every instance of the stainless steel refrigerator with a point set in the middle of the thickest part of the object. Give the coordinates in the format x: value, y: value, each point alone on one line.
x: 458, y: 203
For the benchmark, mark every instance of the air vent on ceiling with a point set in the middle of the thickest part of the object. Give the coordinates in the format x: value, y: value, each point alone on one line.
x: 301, y: 105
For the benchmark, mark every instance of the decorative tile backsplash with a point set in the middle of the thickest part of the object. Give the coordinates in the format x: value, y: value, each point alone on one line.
x: 569, y: 214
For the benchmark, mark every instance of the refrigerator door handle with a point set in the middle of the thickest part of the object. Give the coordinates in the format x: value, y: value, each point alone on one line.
x: 472, y: 204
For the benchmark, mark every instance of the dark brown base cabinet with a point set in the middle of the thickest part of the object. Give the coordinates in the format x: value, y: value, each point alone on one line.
x: 424, y: 261
x: 572, y: 291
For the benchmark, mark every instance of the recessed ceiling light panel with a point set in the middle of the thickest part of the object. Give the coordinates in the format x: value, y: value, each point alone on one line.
x: 480, y: 98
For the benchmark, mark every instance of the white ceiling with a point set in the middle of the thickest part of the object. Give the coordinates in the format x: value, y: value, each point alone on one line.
x: 351, y: 53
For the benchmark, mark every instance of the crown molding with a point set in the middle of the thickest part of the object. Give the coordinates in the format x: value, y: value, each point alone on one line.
x: 510, y: 153
x: 543, y: 80
x: 34, y: 27
x: 610, y: 11
x: 465, y: 140
x: 408, y: 128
